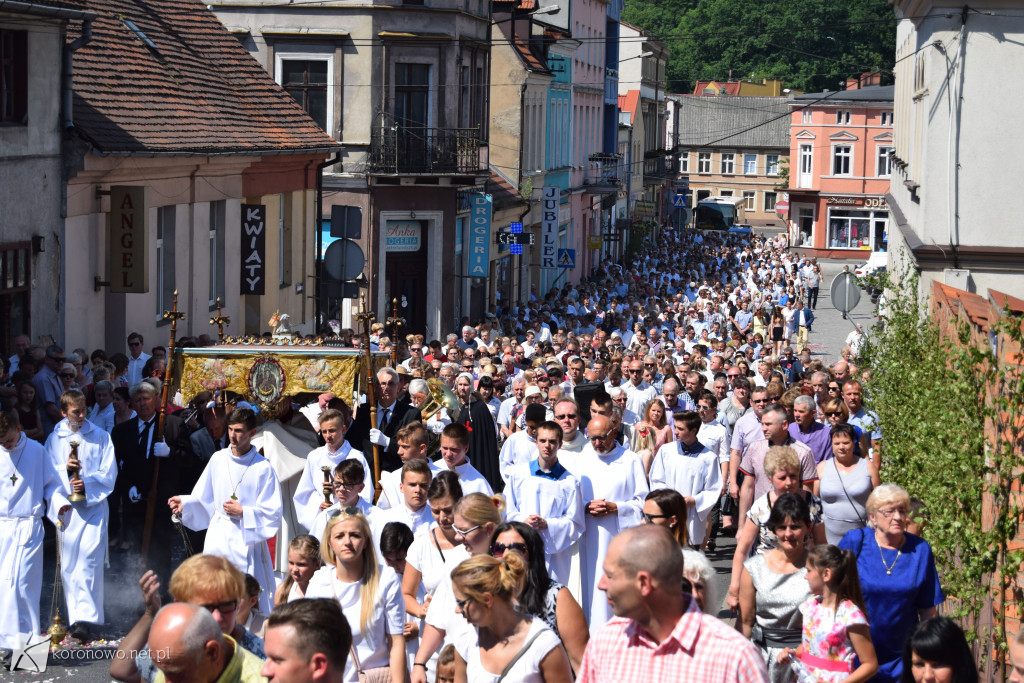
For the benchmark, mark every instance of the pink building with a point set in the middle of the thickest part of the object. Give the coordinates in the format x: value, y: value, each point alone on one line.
x: 840, y: 162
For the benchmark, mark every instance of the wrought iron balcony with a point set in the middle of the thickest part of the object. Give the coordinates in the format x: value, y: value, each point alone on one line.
x: 604, y: 177
x: 427, y: 151
x: 654, y: 168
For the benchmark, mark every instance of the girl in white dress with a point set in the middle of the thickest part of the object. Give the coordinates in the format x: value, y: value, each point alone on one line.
x: 504, y: 643
x: 370, y: 596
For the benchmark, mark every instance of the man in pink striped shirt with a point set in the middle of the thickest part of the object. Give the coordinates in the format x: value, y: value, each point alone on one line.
x: 658, y: 633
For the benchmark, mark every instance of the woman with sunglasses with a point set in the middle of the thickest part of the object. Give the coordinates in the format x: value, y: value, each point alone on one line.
x: 836, y: 412
x: 370, y: 597
x: 667, y: 508
x: 505, y: 643
x: 474, y: 520
x: 541, y: 597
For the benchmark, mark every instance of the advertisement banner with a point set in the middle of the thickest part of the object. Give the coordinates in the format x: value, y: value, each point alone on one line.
x: 480, y: 235
x: 128, y: 230
x: 254, y: 249
x: 549, y: 228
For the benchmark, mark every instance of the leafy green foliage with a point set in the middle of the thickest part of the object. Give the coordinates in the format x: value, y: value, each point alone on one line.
x: 810, y: 44
x: 950, y: 415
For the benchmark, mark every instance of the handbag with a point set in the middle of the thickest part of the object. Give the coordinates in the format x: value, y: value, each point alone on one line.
x: 378, y: 674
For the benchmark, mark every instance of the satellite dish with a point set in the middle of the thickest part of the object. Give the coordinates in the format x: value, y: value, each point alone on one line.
x: 343, y: 260
x: 844, y: 292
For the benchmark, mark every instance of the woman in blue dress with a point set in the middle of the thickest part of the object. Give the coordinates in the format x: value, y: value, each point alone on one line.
x: 897, y: 577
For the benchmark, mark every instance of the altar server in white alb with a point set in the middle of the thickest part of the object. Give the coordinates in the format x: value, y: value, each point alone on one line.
x: 690, y: 468
x: 28, y: 481
x: 544, y: 495
x: 238, y: 501
x: 309, y: 496
x: 85, y: 534
x: 614, y: 486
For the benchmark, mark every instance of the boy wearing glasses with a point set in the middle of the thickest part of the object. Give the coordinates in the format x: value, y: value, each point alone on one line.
x: 348, y: 486
x: 544, y: 495
x: 309, y: 498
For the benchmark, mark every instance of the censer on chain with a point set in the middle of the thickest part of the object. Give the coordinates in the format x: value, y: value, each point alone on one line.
x: 58, y: 629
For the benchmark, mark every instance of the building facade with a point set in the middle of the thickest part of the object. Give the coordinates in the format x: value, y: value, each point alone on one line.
x: 840, y: 168
x: 731, y: 146
x: 952, y: 162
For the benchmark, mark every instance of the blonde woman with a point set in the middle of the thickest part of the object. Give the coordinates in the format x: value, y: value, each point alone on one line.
x: 370, y: 597
x: 505, y: 643
x: 651, y: 433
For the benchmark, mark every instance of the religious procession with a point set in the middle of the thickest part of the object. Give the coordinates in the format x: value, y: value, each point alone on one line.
x: 533, y: 498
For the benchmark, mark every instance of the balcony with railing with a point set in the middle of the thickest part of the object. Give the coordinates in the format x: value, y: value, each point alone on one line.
x: 427, y: 151
x: 604, y: 174
x: 654, y: 168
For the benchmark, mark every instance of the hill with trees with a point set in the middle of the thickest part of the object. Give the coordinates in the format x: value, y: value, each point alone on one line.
x: 810, y: 45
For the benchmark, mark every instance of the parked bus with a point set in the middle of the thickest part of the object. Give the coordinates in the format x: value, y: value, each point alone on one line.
x: 719, y: 213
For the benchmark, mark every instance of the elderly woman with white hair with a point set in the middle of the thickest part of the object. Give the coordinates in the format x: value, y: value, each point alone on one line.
x: 698, y: 572
x: 897, y: 576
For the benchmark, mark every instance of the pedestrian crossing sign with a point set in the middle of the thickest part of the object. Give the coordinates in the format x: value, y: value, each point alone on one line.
x: 566, y: 258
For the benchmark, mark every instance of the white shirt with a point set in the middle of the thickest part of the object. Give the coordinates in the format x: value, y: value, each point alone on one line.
x: 135, y: 366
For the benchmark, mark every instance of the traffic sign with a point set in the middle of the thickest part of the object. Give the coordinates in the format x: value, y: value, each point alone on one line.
x: 566, y: 258
x: 594, y: 242
x: 679, y: 201
x: 844, y: 292
x: 782, y: 205
x: 508, y: 238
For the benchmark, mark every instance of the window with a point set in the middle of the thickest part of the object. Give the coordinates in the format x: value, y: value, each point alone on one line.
x: 843, y: 116
x: 842, y: 159
x: 769, y: 201
x: 728, y: 163
x: 771, y: 163
x: 412, y: 92
x: 165, y: 283
x: 749, y: 196
x: 749, y: 164
x: 306, y: 81
x: 851, y: 228
x: 13, y: 77
x: 886, y: 118
x: 884, y: 162
x: 217, y: 241
x: 726, y: 193
x: 684, y: 162
x: 15, y: 289
x: 805, y: 116
x: 806, y: 165
x: 704, y: 162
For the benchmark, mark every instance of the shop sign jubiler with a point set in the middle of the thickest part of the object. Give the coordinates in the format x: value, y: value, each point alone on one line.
x: 549, y: 228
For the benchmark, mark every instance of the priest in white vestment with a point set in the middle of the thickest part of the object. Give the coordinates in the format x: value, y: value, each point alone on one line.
x: 238, y: 501
x: 690, y: 468
x: 544, y: 495
x: 613, y: 486
x: 27, y: 481
x: 85, y: 533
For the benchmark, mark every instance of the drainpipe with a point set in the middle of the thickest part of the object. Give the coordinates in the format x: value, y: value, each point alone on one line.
x: 69, y: 52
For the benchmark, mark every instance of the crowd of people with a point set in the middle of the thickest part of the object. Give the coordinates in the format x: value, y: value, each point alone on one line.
x: 552, y: 527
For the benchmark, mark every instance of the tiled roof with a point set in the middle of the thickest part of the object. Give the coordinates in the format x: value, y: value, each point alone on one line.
x: 630, y: 102
x: 729, y: 122
x: 179, y: 84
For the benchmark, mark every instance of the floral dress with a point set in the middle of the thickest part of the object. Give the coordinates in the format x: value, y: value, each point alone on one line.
x: 825, y: 637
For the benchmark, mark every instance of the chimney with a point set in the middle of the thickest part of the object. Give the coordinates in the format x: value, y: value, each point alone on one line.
x: 852, y: 83
x: 874, y: 78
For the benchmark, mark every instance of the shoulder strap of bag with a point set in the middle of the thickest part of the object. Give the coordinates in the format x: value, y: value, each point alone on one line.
x: 433, y: 536
x: 526, y: 646
x: 839, y: 476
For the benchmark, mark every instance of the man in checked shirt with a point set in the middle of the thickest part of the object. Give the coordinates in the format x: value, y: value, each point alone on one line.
x: 658, y: 632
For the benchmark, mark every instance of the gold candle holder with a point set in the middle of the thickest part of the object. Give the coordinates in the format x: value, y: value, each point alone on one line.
x: 74, y: 471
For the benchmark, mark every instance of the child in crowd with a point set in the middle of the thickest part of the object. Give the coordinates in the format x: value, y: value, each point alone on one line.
x: 446, y: 665
x: 249, y: 614
x: 303, y: 561
x: 835, y: 627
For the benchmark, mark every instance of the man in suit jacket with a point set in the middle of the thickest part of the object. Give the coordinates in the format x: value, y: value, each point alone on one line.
x: 391, y: 416
x: 210, y: 439
x: 136, y: 445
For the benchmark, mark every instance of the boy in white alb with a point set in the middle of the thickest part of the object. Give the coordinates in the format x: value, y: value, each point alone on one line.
x: 28, y: 480
x: 238, y: 501
x: 687, y: 466
x: 454, y: 447
x: 348, y: 489
x: 412, y: 445
x: 545, y: 496
x: 309, y: 497
x: 85, y: 533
